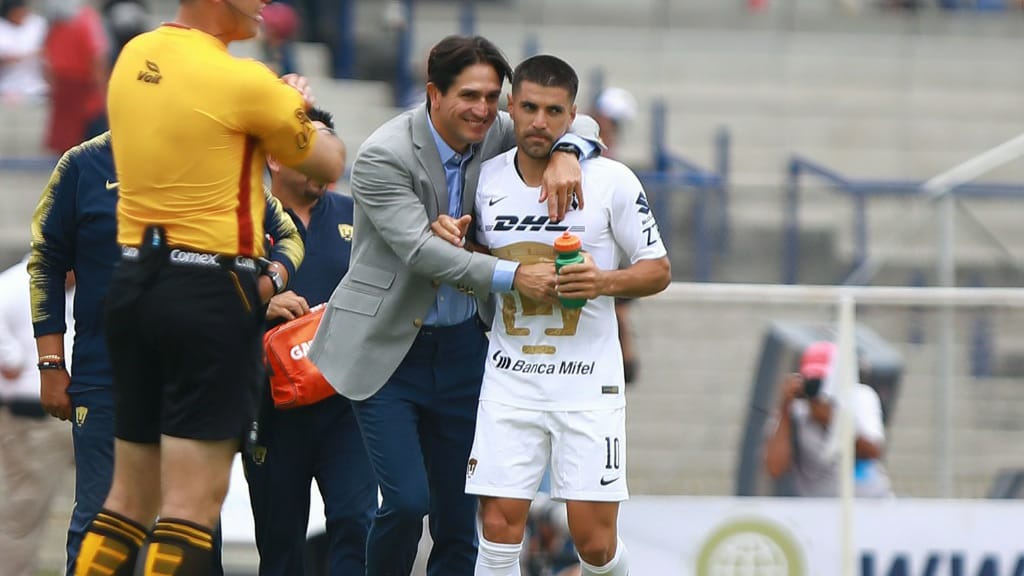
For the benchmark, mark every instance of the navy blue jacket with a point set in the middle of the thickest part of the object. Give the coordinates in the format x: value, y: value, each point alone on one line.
x: 328, y: 242
x: 75, y: 228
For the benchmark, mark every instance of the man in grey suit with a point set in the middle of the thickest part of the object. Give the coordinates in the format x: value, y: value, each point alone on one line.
x: 401, y: 336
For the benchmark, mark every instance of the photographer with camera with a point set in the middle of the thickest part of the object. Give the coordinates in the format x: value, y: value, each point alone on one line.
x: 802, y: 437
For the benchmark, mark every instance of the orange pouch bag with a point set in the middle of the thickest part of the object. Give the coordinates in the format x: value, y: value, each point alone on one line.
x: 294, y: 379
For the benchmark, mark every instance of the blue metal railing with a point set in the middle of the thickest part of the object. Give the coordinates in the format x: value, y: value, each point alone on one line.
x: 710, y: 226
x: 404, y: 87
x: 672, y: 169
x: 982, y: 344
x: 343, y: 56
x: 860, y: 190
x: 467, y: 18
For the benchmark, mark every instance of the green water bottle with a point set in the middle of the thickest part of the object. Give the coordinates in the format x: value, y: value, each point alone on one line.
x: 567, y: 251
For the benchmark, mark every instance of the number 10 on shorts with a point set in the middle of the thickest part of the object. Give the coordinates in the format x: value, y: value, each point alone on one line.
x: 612, y: 453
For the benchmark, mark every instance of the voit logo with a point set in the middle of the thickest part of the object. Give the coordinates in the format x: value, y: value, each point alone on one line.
x: 750, y: 547
x: 151, y: 75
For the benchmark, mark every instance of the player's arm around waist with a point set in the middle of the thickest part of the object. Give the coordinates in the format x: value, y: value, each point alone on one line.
x: 587, y: 280
x: 534, y: 281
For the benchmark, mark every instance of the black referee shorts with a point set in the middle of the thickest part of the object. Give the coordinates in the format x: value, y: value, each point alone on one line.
x: 185, y: 348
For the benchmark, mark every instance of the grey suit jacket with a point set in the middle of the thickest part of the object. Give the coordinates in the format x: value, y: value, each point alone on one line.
x: 399, y: 188
x: 397, y: 264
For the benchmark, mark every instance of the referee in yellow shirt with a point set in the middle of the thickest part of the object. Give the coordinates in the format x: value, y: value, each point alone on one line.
x: 190, y: 126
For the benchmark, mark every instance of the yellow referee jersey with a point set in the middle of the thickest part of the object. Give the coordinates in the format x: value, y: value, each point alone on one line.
x: 190, y: 127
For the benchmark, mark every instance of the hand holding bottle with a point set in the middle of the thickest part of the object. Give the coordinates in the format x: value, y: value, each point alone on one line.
x: 577, y: 278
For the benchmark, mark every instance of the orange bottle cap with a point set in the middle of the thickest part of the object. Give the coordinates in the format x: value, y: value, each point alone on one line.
x: 567, y: 243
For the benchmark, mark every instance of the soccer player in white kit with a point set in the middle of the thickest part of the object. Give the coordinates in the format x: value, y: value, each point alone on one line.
x: 553, y: 383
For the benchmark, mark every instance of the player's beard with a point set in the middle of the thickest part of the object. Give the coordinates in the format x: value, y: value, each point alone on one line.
x: 537, y: 149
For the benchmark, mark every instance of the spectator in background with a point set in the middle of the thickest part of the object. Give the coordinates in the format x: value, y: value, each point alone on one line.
x: 280, y: 27
x: 35, y: 451
x: 76, y: 64
x: 802, y: 437
x: 613, y: 108
x: 125, y: 19
x: 22, y: 33
x: 332, y: 23
x: 314, y: 16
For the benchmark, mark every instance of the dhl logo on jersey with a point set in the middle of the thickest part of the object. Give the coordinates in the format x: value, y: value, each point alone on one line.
x: 509, y: 223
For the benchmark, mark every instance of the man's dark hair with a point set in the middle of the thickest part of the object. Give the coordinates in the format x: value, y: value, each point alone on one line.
x: 546, y: 70
x: 322, y: 116
x: 449, y: 57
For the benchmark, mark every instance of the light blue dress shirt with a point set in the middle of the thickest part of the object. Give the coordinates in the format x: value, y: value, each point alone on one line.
x: 452, y: 307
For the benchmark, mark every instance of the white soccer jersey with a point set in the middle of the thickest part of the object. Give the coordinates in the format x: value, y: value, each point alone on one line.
x: 547, y: 357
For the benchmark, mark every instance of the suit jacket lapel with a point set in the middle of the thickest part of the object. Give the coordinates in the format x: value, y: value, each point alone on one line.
x: 430, y: 159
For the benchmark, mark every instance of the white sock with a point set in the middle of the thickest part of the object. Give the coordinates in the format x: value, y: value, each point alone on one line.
x: 618, y: 566
x: 495, y: 559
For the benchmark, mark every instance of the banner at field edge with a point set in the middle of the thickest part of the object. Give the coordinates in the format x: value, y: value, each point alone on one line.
x: 731, y: 536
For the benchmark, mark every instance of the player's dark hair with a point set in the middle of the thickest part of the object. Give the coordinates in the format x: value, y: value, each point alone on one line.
x: 548, y: 71
x: 322, y: 116
x: 449, y: 57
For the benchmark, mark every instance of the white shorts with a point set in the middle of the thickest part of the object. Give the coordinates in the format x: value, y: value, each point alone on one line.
x: 513, y: 446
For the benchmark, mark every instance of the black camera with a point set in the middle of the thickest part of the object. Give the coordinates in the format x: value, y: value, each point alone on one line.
x: 812, y: 387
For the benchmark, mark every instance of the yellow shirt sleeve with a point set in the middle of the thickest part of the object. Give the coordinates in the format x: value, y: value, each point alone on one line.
x: 273, y: 112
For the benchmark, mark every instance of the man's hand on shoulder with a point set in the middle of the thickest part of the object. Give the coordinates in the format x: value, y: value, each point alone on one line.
x: 287, y: 306
x: 301, y: 84
x: 562, y: 180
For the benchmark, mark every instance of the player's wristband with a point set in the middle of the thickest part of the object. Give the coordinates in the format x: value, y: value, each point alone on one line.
x: 51, y: 365
x: 570, y: 148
